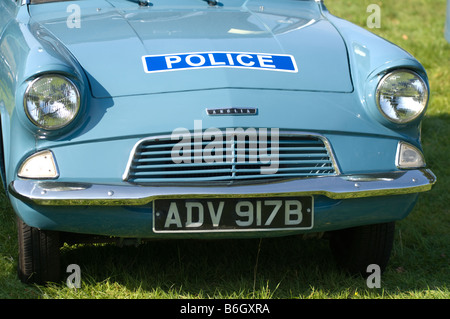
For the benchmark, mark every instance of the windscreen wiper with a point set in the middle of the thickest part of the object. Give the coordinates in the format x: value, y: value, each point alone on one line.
x: 146, y: 3
x: 142, y: 3
x: 213, y: 3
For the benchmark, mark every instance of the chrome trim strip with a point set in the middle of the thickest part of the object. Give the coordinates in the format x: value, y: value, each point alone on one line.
x: 325, y: 141
x: 336, y: 187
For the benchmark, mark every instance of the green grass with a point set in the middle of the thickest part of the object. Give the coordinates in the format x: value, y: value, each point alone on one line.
x: 285, y: 267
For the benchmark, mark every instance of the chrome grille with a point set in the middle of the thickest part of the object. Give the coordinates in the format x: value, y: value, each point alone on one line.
x: 294, y: 156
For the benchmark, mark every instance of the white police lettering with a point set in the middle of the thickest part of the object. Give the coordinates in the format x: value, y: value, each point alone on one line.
x: 172, y: 59
x: 213, y: 61
x: 201, y: 60
x: 240, y: 60
x: 265, y: 61
x: 198, y: 60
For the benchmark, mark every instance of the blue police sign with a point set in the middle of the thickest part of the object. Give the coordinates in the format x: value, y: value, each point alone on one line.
x: 187, y: 61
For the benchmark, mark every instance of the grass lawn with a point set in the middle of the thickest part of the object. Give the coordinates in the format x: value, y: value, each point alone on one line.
x: 285, y: 267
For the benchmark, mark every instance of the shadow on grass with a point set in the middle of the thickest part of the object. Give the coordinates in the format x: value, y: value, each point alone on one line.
x: 277, y: 267
x: 288, y: 267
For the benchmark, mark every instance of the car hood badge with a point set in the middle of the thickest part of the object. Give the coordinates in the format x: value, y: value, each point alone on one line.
x: 232, y: 111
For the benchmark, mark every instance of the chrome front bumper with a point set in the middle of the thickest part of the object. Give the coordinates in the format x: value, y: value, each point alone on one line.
x: 56, y: 193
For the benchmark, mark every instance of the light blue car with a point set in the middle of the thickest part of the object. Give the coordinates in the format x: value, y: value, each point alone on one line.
x: 134, y: 120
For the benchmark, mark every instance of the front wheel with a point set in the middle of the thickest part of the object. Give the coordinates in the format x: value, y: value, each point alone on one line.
x: 39, y: 254
x: 356, y: 248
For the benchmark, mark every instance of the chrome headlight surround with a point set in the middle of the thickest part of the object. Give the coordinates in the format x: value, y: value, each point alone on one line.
x: 51, y: 101
x: 402, y: 96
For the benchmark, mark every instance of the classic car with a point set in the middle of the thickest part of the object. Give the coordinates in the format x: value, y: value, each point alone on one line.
x: 189, y: 119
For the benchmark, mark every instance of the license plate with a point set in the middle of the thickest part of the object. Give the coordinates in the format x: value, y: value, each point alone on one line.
x: 230, y: 214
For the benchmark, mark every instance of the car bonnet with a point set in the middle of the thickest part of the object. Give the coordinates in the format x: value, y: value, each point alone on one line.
x: 183, y: 45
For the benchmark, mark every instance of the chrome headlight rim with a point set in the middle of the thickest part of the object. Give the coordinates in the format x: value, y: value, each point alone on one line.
x: 52, y: 75
x: 378, y: 93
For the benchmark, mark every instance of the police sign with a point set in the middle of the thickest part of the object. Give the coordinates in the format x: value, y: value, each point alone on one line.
x: 198, y: 60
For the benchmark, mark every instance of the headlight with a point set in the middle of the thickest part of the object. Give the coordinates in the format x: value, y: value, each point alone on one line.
x: 51, y: 101
x: 402, y: 96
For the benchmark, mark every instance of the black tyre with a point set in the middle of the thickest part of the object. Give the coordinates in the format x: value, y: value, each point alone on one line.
x: 356, y: 248
x: 39, y: 254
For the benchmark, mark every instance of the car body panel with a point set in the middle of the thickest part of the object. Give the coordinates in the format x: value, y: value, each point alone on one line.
x: 133, y: 33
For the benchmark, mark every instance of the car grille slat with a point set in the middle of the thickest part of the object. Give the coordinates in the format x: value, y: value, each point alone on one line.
x: 158, y: 160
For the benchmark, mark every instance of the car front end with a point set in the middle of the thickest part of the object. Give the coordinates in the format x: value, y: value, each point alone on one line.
x: 211, y: 121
